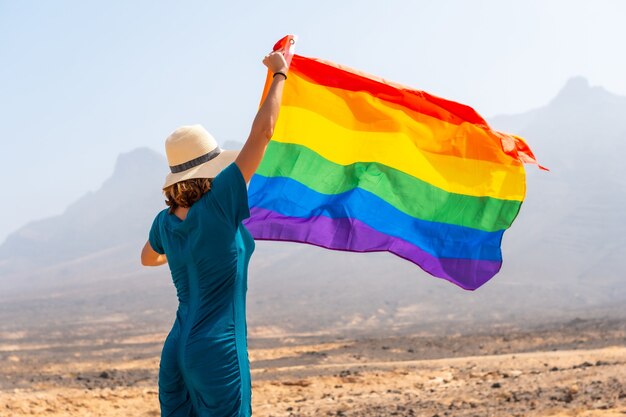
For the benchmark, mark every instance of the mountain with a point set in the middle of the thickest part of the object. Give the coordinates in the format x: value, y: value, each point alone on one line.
x: 128, y: 193
x: 583, y: 129
x: 563, y: 256
x: 97, y: 225
x: 573, y: 217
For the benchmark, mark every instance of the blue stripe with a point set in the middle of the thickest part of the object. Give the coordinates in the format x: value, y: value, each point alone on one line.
x: 291, y: 198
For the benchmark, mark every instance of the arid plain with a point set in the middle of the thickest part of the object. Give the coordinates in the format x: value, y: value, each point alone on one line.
x: 109, y: 367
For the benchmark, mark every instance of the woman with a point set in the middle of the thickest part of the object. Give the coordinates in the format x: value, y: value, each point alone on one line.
x: 204, y: 368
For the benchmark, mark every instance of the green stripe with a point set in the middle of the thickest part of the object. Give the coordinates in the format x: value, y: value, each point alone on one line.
x: 408, y: 194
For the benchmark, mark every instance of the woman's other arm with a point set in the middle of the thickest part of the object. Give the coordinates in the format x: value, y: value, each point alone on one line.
x: 262, y: 129
x: 151, y: 258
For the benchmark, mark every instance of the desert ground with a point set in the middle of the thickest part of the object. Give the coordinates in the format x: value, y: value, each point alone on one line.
x: 109, y: 368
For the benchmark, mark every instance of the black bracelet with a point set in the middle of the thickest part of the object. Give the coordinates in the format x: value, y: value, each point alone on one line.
x: 279, y: 73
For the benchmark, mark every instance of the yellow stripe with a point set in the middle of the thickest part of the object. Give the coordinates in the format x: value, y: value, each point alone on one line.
x: 365, y: 112
x: 397, y: 150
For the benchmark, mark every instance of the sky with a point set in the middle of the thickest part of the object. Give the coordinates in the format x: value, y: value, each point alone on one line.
x: 82, y: 82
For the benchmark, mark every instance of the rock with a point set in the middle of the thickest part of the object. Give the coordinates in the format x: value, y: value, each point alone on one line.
x: 298, y: 383
x: 601, y: 405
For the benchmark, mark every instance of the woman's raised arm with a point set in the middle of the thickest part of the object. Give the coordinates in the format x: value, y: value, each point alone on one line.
x: 262, y: 129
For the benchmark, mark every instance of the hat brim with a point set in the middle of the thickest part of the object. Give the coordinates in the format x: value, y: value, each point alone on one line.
x: 209, y: 169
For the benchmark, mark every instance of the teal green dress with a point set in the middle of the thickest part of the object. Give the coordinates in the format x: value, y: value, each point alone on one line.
x: 204, y: 368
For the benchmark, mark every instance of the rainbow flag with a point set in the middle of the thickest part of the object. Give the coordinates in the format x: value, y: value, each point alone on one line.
x: 361, y: 164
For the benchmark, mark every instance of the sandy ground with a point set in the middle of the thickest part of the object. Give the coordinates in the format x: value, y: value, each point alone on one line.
x: 584, y: 382
x: 576, y: 369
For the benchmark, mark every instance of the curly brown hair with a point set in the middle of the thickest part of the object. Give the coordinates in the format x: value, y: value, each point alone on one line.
x: 185, y: 193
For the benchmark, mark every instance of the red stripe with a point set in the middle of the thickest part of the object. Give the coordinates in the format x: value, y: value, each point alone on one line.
x: 337, y: 76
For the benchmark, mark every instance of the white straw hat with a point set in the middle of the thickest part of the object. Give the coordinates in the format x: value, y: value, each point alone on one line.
x: 193, y: 153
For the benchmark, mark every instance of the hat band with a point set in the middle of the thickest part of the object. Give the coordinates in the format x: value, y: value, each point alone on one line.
x: 196, y: 161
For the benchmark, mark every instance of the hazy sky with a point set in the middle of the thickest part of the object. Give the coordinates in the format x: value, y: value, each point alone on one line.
x: 81, y: 82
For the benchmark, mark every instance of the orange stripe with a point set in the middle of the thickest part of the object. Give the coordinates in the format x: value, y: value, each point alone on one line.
x: 361, y: 111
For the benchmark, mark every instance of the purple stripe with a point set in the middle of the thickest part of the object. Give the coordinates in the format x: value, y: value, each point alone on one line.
x: 355, y: 236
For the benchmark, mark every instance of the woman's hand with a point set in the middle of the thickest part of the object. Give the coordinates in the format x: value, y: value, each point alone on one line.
x: 275, y: 62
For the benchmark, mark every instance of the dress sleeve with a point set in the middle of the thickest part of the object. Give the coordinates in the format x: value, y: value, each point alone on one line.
x: 230, y: 192
x: 155, y: 235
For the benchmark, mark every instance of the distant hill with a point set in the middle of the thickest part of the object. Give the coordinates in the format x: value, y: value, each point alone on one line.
x: 102, y: 219
x: 99, y: 224
x: 563, y: 257
x: 573, y: 233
